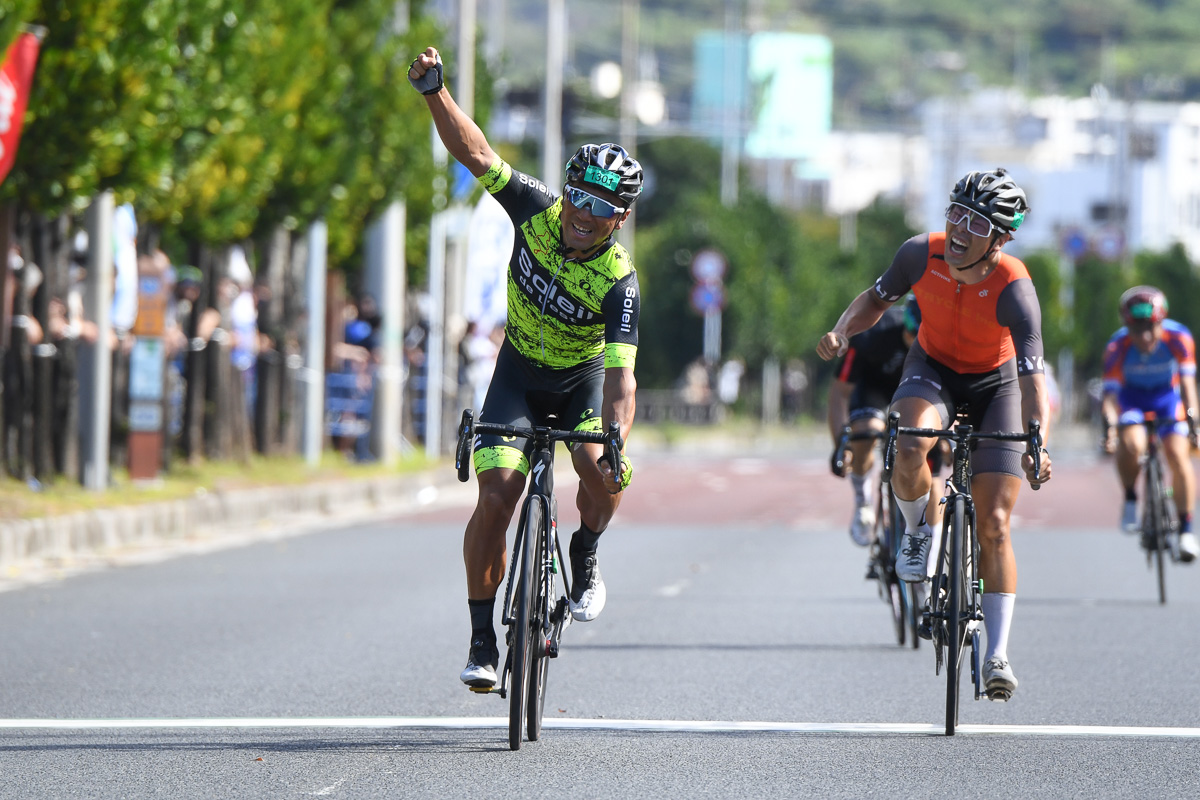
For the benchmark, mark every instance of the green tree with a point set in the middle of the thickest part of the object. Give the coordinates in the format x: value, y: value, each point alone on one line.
x: 1098, y: 287
x: 101, y: 95
x: 1172, y: 272
x: 12, y: 14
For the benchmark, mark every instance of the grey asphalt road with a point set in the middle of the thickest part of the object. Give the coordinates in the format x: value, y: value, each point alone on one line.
x: 741, y: 654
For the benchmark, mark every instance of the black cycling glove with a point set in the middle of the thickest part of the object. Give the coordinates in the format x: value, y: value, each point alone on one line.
x: 431, y: 81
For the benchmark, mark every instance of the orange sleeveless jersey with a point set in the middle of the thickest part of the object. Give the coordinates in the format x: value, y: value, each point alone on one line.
x: 958, y: 321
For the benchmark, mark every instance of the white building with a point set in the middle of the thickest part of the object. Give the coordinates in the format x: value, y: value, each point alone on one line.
x: 1100, y: 174
x: 1111, y: 176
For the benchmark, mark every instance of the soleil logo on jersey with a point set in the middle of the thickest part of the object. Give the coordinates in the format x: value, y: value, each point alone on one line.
x: 548, y: 294
x: 983, y: 293
x: 627, y: 309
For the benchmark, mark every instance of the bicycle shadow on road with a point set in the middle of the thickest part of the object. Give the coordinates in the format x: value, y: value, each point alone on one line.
x: 758, y: 647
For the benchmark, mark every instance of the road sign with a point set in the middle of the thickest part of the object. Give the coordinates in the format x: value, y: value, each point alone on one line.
x: 708, y: 297
x: 708, y: 266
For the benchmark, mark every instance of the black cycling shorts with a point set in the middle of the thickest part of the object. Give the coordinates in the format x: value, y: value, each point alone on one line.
x: 992, y: 401
x: 525, y: 395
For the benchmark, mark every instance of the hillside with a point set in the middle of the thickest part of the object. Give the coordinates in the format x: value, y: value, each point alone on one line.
x: 892, y: 54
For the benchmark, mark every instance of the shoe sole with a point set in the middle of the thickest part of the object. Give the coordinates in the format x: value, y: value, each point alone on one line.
x: 999, y: 695
x: 478, y: 682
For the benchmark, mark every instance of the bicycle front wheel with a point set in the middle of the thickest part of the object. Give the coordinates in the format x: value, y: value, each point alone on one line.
x: 1155, y: 522
x: 524, y: 598
x: 957, y: 612
x: 542, y: 601
x: 887, y: 535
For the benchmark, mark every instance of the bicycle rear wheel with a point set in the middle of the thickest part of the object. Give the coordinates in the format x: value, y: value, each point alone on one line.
x: 887, y: 536
x: 522, y: 639
x: 914, y: 602
x: 956, y: 608
x: 539, y: 623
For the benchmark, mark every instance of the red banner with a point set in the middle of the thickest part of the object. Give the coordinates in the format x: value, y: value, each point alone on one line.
x: 15, y: 77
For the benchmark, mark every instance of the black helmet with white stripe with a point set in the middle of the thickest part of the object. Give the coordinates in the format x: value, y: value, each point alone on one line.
x: 608, y: 166
x: 995, y: 195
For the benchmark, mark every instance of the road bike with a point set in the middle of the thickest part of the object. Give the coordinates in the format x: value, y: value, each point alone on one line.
x: 536, y: 608
x: 904, y: 599
x: 953, y: 611
x: 1160, y: 519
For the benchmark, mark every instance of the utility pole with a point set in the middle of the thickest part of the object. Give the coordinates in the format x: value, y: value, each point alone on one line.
x: 630, y: 35
x: 552, y: 160
x: 95, y: 378
x: 313, y: 375
x: 731, y: 117
x: 465, y: 90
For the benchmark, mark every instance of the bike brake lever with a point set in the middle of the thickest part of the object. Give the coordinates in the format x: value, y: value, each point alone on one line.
x: 1035, y: 451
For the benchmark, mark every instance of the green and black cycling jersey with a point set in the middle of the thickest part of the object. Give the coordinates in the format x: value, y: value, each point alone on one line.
x: 562, y: 312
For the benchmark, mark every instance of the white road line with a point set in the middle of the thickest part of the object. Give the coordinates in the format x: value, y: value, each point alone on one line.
x: 666, y: 726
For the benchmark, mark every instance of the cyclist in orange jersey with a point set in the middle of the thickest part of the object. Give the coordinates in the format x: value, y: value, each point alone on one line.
x: 979, y: 349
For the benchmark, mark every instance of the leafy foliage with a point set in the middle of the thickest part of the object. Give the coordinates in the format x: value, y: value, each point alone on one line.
x: 221, y: 118
x: 787, y: 279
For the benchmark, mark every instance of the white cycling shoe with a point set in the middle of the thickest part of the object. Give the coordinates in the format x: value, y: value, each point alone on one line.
x: 862, y: 525
x: 999, y: 682
x: 588, y: 595
x: 1189, y: 547
x: 912, y: 562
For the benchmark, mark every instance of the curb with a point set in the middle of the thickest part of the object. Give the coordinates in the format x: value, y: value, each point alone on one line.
x: 67, y: 538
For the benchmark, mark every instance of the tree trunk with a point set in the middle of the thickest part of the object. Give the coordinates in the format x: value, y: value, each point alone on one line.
x: 195, y: 369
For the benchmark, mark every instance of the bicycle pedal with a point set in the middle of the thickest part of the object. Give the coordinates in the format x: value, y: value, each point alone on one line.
x: 999, y: 695
x: 486, y: 689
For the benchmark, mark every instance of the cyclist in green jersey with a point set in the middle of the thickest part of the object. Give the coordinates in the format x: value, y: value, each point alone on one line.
x: 569, y: 350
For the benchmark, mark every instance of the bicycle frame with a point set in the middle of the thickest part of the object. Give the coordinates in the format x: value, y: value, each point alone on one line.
x: 955, y: 608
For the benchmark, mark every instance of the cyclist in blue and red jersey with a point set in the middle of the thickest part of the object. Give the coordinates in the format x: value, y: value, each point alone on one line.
x: 979, y: 348
x: 569, y: 350
x: 1150, y: 372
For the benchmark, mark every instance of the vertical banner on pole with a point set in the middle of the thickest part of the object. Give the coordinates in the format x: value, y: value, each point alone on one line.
x: 16, y: 75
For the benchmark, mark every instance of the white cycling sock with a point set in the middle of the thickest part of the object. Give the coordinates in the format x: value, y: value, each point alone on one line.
x: 862, y: 488
x: 913, y: 511
x: 997, y: 618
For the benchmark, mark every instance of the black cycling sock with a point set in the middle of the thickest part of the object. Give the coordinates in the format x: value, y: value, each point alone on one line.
x: 1131, y: 495
x: 584, y: 540
x: 482, y: 612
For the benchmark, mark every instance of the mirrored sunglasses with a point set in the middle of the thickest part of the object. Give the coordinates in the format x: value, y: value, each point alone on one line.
x: 977, y: 224
x: 599, y: 207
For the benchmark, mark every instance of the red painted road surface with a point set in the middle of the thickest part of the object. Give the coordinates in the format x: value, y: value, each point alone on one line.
x: 679, y: 490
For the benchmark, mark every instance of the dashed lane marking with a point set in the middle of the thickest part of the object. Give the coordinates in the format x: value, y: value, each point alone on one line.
x: 661, y: 726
